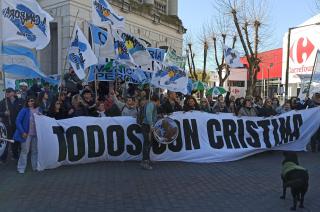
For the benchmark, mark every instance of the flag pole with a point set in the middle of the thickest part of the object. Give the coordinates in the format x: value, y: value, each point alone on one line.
x: 314, y: 65
x: 66, y: 59
x: 1, y: 50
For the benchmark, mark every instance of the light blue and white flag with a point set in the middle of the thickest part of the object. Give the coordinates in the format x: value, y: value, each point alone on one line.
x: 80, y: 54
x: 232, y: 57
x: 21, y: 62
x: 157, y: 54
x: 25, y: 23
x: 172, y: 78
x: 103, y: 15
x: 122, y: 53
x: 103, y: 43
x: 171, y: 58
x: 137, y: 50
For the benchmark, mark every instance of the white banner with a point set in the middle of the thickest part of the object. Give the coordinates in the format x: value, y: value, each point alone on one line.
x: 25, y: 23
x: 80, y: 53
x: 203, y: 138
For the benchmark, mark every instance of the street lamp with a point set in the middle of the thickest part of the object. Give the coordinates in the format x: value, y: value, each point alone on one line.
x: 270, y: 66
x: 288, y: 55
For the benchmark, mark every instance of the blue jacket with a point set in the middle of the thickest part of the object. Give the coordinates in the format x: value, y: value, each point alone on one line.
x: 22, y: 124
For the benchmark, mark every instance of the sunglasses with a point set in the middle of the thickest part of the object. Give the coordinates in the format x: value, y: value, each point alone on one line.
x: 31, y: 100
x: 58, y: 103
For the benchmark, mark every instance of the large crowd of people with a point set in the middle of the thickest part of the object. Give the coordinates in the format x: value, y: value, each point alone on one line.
x: 75, y: 99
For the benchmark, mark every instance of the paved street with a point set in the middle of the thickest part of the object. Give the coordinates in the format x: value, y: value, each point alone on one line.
x: 251, y: 184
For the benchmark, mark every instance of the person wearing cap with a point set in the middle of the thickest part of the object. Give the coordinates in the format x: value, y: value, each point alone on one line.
x: 9, y: 109
x: 23, y: 90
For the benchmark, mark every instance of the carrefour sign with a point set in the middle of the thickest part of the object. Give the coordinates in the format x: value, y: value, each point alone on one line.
x: 304, y: 43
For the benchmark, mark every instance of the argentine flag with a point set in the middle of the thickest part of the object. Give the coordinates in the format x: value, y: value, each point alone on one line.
x: 21, y: 62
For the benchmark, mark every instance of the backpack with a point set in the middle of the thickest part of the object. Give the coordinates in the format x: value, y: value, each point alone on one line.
x: 141, y: 114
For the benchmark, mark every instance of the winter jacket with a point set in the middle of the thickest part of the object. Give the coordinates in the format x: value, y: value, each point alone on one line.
x: 167, y: 108
x: 72, y: 83
x: 22, y: 124
x: 113, y: 111
x: 267, y: 112
x: 246, y: 111
x: 13, y: 108
x: 150, y: 116
x: 127, y: 111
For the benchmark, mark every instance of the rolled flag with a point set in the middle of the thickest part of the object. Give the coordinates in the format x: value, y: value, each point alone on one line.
x: 25, y: 23
x: 103, y: 14
x: 199, y: 86
x: 216, y: 91
x: 232, y: 57
x: 80, y: 54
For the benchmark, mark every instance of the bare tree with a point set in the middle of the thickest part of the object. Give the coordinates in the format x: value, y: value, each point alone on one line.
x: 205, y: 44
x: 192, y: 56
x: 249, y: 21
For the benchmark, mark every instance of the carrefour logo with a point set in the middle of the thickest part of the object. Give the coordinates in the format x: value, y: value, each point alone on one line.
x: 301, y: 50
x: 25, y: 20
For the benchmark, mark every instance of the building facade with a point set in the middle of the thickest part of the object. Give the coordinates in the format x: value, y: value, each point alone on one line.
x: 154, y: 21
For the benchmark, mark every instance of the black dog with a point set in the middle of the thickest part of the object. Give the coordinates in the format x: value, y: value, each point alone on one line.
x: 294, y: 176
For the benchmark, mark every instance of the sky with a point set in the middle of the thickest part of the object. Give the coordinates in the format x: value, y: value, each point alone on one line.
x: 283, y: 15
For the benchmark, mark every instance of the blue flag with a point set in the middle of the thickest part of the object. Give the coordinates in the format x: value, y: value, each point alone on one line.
x: 99, y: 35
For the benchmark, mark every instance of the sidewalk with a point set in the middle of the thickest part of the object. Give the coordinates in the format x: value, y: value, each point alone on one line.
x: 251, y: 184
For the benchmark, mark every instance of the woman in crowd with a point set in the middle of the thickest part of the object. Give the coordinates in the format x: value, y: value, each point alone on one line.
x: 77, y: 109
x: 247, y: 109
x: 239, y: 103
x: 26, y: 134
x: 204, y: 105
x: 56, y: 111
x: 275, y: 103
x: 285, y: 108
x: 190, y: 104
x: 295, y: 104
x: 267, y: 109
x: 44, y: 103
x: 232, y: 108
x: 100, y: 110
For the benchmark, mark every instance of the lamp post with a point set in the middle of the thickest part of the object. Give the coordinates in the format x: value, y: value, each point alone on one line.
x: 270, y: 66
x: 288, y: 55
